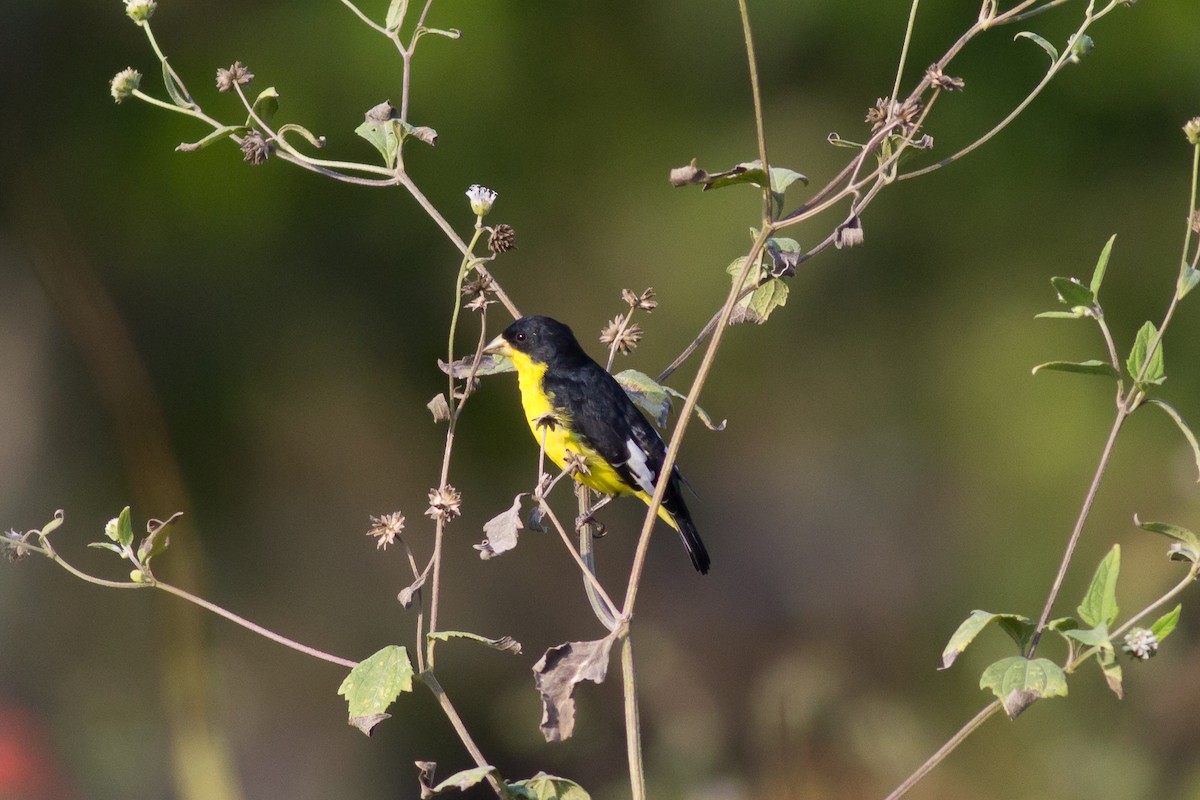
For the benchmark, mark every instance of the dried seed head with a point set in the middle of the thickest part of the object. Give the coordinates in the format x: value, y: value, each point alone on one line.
x: 236, y: 75
x: 576, y: 464
x: 124, y: 83
x: 444, y: 504
x: 481, y: 199
x: 1141, y: 644
x: 877, y: 116
x: 645, y: 301
x: 255, y: 148
x: 621, y: 335
x: 386, y: 528
x: 1195, y: 221
x: 547, y: 421
x: 502, y: 239
x: 1191, y: 129
x: 940, y: 80
x: 140, y: 10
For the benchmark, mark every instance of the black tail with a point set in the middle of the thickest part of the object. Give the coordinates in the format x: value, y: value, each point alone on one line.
x: 673, y: 503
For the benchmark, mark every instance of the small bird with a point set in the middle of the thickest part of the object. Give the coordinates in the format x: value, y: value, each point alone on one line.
x: 581, y: 409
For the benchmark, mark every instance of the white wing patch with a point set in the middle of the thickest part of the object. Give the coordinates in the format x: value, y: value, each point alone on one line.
x: 639, y: 467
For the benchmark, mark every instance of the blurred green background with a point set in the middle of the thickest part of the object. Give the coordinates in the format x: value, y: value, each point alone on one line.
x: 889, y: 463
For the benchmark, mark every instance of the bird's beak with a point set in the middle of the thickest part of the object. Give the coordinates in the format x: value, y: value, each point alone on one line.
x: 499, y: 347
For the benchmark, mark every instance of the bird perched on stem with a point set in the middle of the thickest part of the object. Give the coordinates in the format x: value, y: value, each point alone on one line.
x: 579, y: 408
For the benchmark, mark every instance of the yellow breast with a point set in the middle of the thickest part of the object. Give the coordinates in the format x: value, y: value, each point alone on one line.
x: 559, y: 437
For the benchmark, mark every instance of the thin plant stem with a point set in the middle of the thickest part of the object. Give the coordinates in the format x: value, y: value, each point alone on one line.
x: 685, y: 415
x: 1080, y: 519
x: 602, y: 605
x: 756, y: 95
x: 431, y: 682
x: 1055, y: 68
x: 370, y: 22
x: 633, y: 728
x: 908, y: 31
x: 951, y: 744
x: 260, y: 630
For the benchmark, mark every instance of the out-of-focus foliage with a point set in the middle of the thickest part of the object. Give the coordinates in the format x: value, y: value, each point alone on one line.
x: 889, y: 463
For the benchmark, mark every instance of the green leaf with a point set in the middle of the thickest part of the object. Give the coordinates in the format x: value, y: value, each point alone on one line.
x: 1062, y: 624
x: 108, y: 546
x: 1015, y: 625
x: 700, y: 412
x: 1091, y: 637
x: 382, y: 129
x: 757, y: 306
x: 220, y: 134
x: 313, y: 139
x: 1099, y: 604
x: 647, y: 394
x: 1073, y: 293
x: 53, y: 524
x: 175, y: 90
x: 504, y: 643
x: 549, y: 787
x: 1185, y: 539
x: 375, y: 684
x: 1090, y: 367
x: 1101, y: 266
x: 462, y: 780
x: 748, y: 172
x: 394, y: 20
x: 1018, y: 681
x: 1163, y: 626
x: 1078, y: 313
x: 265, y: 106
x: 156, y: 539
x: 123, y: 533
x: 1188, y: 278
x: 1050, y: 49
x: 449, y: 33
x: 1137, y: 363
x: 1183, y: 427
x: 1112, y: 671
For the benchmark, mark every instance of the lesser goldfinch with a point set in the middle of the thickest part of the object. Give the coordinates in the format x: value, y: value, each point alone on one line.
x: 580, y: 408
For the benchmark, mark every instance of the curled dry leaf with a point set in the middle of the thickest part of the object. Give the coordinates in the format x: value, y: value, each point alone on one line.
x: 555, y: 675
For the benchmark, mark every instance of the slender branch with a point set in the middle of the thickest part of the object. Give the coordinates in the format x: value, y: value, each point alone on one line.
x: 1080, y: 519
x: 685, y: 415
x: 756, y: 95
x: 454, y: 238
x: 633, y: 728
x: 460, y: 728
x: 358, y: 13
x: 260, y: 630
x: 951, y: 744
x: 1055, y: 68
x: 908, y: 30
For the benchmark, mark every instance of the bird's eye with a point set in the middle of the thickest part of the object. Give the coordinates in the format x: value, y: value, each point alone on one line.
x: 520, y: 337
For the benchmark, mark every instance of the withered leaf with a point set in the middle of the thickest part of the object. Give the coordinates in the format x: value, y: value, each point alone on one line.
x: 555, y: 675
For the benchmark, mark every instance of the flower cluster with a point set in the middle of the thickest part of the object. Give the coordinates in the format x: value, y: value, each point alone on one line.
x: 1140, y: 643
x: 124, y: 84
